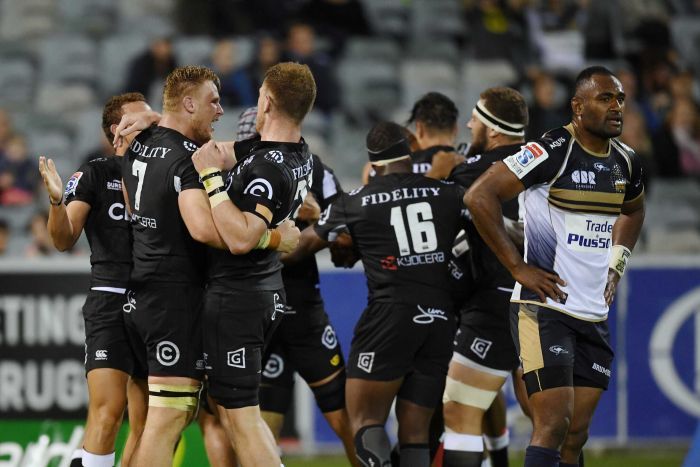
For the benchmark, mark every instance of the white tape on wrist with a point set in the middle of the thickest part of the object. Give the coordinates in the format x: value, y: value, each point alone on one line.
x: 619, y: 258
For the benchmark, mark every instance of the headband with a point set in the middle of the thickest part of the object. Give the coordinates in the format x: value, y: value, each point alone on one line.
x: 397, y: 151
x: 495, y: 123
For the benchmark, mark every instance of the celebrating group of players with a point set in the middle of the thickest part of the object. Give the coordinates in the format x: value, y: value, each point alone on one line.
x: 467, y: 281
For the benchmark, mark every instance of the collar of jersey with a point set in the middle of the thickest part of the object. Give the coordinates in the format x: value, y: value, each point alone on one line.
x: 570, y: 129
x: 243, y: 148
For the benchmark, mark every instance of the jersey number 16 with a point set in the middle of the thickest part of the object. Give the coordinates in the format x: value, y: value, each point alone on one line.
x: 420, y: 224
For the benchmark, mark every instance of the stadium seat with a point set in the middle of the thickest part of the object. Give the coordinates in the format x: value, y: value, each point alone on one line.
x: 27, y: 19
x: 437, y: 19
x: 685, y: 32
x: 88, y: 132
x: 384, y: 49
x: 91, y: 17
x: 115, y: 54
x: 435, y: 49
x: 69, y: 58
x: 421, y: 76
x: 388, y: 17
x: 17, y: 82
x: 57, y: 98
x: 370, y: 88
x: 55, y: 141
x: 193, y: 50
x: 478, y: 75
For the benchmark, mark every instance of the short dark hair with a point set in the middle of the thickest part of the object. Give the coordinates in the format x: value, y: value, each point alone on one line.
x: 383, y: 135
x: 293, y: 87
x: 436, y: 111
x: 587, y: 73
x: 507, y: 104
x: 112, y: 112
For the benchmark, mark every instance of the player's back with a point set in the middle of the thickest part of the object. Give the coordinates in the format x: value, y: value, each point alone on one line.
x: 98, y: 183
x: 270, y: 180
x: 404, y: 226
x: 156, y: 169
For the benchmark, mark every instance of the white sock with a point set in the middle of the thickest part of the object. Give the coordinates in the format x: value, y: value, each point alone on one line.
x: 77, y: 454
x: 96, y: 460
x: 462, y: 442
x: 494, y: 444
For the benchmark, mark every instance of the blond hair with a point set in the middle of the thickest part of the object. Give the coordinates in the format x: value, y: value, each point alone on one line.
x: 182, y: 80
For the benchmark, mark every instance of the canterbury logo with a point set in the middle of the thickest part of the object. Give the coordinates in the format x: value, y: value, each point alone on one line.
x: 259, y: 187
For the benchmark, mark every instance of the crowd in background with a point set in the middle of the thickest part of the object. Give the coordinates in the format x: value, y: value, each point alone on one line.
x: 662, y: 115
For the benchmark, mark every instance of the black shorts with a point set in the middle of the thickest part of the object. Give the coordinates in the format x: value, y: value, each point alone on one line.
x: 165, y: 329
x: 237, y: 325
x: 483, y: 337
x: 304, y: 341
x: 394, y: 340
x: 558, y: 350
x: 106, y: 341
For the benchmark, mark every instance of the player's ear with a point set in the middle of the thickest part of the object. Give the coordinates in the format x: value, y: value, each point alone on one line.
x: 188, y: 103
x: 577, y: 105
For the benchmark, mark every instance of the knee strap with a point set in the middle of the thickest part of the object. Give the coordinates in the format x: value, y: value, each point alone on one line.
x: 331, y: 396
x: 457, y: 391
x: 175, y: 396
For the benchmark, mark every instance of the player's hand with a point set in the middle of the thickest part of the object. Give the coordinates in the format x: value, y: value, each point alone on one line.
x: 290, y: 236
x: 343, y: 253
x: 132, y: 122
x: 611, y: 286
x: 209, y: 155
x: 52, y: 180
x: 443, y: 163
x: 544, y: 284
x: 309, y: 211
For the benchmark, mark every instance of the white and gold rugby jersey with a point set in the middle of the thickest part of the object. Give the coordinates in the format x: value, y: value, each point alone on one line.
x: 572, y: 199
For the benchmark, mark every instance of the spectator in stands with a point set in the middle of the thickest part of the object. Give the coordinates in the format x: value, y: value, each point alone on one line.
x: 249, y: 79
x: 677, y: 143
x: 18, y: 173
x: 4, y: 236
x: 41, y: 244
x: 236, y: 89
x: 147, y: 71
x: 655, y: 96
x: 301, y: 47
x: 635, y: 135
x: 6, y: 130
x: 336, y: 20
x: 558, y: 15
x: 546, y: 112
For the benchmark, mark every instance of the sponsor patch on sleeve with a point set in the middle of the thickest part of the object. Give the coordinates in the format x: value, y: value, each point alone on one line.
x: 73, y: 183
x: 522, y: 162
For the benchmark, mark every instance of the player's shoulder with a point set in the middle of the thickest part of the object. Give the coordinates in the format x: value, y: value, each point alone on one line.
x: 158, y: 142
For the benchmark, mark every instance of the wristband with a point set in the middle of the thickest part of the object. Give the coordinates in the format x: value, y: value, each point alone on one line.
x: 264, y: 241
x: 211, y: 178
x: 618, y: 260
x: 275, y: 239
x: 218, y: 198
x: 60, y: 201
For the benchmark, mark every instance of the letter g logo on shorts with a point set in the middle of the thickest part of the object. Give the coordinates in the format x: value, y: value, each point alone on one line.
x: 365, y: 361
x: 167, y: 353
x: 236, y: 358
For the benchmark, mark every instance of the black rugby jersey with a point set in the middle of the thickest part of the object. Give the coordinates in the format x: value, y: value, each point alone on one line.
x: 99, y: 184
x: 486, y: 270
x: 301, y: 280
x: 572, y: 200
x: 403, y: 226
x: 421, y: 160
x: 269, y: 178
x: 156, y: 168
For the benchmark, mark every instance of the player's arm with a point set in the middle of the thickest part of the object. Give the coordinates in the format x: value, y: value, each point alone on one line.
x: 241, y: 231
x: 195, y: 212
x: 442, y: 164
x: 134, y: 121
x: 65, y: 222
x: 309, y: 243
x: 497, y: 185
x: 627, y: 229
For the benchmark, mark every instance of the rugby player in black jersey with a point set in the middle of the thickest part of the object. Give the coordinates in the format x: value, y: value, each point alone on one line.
x: 584, y: 209
x: 403, y: 226
x: 245, y: 297
x: 305, y: 340
x: 435, y: 118
x: 484, y: 354
x: 94, y: 202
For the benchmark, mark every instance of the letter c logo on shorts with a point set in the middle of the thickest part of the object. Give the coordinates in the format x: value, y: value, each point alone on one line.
x: 329, y: 339
x: 274, y: 366
x: 167, y: 353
